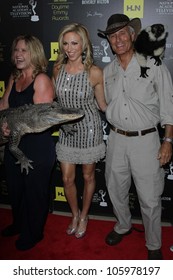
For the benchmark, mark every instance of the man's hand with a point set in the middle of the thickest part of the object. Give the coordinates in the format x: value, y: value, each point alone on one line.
x: 165, y: 153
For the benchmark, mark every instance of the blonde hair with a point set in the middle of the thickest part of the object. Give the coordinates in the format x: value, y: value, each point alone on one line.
x: 87, y: 51
x: 37, y: 54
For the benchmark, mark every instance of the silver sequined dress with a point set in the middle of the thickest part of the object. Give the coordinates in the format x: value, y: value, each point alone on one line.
x: 86, y: 145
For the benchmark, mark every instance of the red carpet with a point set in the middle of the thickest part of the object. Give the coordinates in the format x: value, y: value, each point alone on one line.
x: 57, y: 245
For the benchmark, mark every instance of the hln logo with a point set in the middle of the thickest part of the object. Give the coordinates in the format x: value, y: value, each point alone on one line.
x: 54, y: 46
x: 134, y: 8
x: 59, y: 194
x: 2, y: 88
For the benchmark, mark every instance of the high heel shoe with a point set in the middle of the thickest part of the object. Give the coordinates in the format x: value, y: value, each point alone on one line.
x: 73, y: 225
x: 81, y: 230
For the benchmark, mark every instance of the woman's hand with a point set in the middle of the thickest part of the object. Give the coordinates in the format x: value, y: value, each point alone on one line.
x: 5, y: 129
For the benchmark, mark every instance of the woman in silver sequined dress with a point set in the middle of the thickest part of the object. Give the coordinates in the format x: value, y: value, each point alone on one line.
x: 79, y: 83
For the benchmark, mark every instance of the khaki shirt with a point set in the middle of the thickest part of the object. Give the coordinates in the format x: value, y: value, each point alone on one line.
x: 136, y: 103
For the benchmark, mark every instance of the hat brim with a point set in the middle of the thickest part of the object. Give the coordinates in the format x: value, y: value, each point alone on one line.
x: 135, y: 23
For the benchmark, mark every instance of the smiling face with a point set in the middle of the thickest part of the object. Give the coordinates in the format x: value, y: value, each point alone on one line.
x: 122, y: 41
x: 21, y: 55
x: 72, y: 46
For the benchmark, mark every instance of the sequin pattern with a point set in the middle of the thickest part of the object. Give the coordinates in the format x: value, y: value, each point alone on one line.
x: 86, y: 145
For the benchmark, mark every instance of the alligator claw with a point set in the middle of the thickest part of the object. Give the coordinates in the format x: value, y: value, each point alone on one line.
x: 25, y: 164
x: 69, y: 129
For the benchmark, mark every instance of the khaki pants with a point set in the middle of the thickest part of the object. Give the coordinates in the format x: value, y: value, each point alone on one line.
x: 136, y: 157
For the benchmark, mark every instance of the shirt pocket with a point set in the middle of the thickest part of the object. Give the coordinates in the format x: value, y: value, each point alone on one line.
x: 110, y: 88
x: 143, y: 89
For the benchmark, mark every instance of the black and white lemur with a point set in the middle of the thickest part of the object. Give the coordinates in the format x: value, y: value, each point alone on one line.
x: 151, y: 41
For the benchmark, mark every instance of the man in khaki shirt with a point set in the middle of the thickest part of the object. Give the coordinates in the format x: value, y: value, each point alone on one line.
x: 136, y: 106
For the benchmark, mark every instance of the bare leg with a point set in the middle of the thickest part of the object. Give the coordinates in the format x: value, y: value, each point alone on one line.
x: 89, y: 187
x: 68, y: 173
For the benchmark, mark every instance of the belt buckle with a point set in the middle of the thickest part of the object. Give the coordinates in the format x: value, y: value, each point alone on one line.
x: 126, y: 133
x: 120, y: 131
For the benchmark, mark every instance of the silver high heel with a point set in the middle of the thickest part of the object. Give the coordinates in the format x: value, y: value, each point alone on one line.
x: 73, y: 225
x: 81, y: 230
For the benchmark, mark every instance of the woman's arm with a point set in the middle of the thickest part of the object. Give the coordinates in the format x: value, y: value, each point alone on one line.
x: 44, y: 89
x: 4, y: 105
x: 4, y: 100
x: 96, y: 78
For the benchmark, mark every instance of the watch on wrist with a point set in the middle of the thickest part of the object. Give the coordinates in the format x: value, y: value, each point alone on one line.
x: 168, y: 139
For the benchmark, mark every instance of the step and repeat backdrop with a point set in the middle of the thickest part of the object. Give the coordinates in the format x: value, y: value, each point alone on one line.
x: 44, y: 19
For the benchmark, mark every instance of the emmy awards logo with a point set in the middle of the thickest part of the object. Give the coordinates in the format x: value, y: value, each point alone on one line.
x: 33, y: 4
x: 103, y: 202
x: 104, y: 126
x: 170, y: 176
x: 105, y: 46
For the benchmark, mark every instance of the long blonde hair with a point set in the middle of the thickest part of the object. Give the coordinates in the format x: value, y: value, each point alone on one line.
x: 38, y: 57
x: 87, y: 51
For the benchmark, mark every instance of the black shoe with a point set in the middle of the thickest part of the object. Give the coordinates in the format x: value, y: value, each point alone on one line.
x: 10, y: 230
x: 24, y: 245
x: 155, y: 255
x: 113, y: 238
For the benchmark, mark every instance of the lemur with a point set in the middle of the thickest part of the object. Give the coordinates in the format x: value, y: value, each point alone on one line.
x: 151, y: 41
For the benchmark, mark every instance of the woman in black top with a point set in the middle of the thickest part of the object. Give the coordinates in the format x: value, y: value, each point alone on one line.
x: 29, y: 194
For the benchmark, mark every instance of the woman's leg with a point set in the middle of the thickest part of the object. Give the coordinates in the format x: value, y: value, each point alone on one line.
x: 68, y: 176
x: 89, y: 187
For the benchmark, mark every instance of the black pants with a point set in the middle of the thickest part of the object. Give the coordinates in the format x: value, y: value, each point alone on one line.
x: 29, y: 194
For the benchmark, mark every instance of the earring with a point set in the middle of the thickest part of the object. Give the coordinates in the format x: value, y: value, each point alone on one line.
x: 83, y: 57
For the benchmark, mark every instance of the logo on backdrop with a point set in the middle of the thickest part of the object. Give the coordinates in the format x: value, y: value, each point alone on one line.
x: 94, y: 14
x: 2, y: 88
x: 25, y: 11
x: 33, y: 4
x: 60, y: 9
x: 103, y: 203
x: 89, y: 2
x: 105, y: 46
x: 100, y: 52
x: 54, y: 47
x: 170, y: 175
x: 59, y: 194
x: 165, y: 8
x: 105, y: 129
x: 133, y: 8
x: 100, y: 198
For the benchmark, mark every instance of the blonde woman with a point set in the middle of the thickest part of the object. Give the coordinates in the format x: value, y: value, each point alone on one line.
x: 79, y: 83
x: 29, y: 194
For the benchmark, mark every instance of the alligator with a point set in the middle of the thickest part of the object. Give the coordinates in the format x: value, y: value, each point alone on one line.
x: 33, y: 118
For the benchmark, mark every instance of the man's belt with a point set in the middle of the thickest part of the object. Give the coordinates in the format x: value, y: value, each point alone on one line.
x: 133, y: 133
